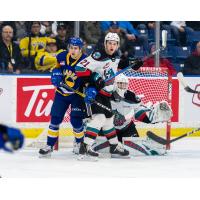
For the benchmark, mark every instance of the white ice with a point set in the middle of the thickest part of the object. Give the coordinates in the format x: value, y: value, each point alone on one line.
x: 183, y: 160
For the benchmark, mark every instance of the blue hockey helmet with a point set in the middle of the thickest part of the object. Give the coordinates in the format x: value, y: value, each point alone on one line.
x: 76, y: 41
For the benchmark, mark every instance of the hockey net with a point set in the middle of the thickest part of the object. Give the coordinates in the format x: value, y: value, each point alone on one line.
x: 153, y: 83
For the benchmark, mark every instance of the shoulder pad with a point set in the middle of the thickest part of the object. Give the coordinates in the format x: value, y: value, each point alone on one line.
x: 61, y: 55
x: 96, y: 55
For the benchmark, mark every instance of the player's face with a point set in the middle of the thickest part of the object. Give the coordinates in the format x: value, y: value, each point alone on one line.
x: 122, y: 85
x: 74, y: 51
x: 111, y: 47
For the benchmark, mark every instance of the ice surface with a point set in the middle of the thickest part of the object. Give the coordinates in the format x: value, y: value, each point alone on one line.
x: 183, y: 160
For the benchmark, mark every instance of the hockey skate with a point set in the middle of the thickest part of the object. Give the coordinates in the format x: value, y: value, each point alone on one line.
x: 86, y: 152
x: 76, y: 148
x: 118, y: 151
x: 45, y: 152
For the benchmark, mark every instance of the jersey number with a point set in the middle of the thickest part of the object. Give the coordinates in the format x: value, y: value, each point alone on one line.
x: 84, y: 63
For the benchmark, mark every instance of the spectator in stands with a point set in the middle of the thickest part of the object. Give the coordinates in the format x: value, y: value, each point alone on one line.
x: 92, y: 32
x: 12, y: 24
x: 10, y: 56
x: 128, y: 34
x: 192, y: 63
x: 149, y: 62
x: 21, y: 30
x: 63, y: 31
x: 32, y: 44
x: 46, y: 60
x: 180, y: 32
x: 46, y: 29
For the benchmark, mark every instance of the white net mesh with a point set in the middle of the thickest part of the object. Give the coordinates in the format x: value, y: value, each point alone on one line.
x: 150, y: 82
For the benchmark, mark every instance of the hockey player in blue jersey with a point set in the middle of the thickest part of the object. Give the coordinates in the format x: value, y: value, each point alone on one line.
x: 10, y: 138
x: 65, y: 72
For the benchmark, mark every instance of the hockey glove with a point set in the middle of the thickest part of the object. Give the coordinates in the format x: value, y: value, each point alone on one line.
x: 10, y: 138
x: 98, y: 81
x: 56, y: 77
x: 136, y: 63
x: 90, y: 94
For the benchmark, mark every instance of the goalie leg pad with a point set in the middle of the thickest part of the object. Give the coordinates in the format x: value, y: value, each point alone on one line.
x: 141, y: 147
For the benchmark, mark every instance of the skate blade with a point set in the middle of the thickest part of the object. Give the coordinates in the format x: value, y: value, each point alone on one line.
x: 119, y: 156
x: 76, y: 153
x: 44, y: 156
x: 87, y: 158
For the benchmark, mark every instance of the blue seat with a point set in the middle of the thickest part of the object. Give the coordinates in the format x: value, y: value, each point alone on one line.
x: 182, y: 53
x: 139, y: 52
x: 194, y: 36
x: 143, y: 31
x: 167, y: 53
x: 170, y: 40
x: 178, y: 66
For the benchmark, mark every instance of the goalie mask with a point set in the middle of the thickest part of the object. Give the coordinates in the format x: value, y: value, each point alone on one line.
x: 121, y: 84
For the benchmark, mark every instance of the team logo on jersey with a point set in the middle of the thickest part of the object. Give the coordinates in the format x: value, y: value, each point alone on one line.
x: 70, y: 78
x: 96, y: 55
x: 106, y: 65
x: 119, y: 119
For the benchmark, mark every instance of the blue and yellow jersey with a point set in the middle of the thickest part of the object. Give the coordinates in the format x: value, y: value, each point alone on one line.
x: 37, y: 44
x: 67, y: 65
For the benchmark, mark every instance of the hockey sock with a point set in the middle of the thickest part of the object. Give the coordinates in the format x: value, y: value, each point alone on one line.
x: 111, y: 135
x: 90, y: 135
x: 53, y: 133
x: 79, y: 134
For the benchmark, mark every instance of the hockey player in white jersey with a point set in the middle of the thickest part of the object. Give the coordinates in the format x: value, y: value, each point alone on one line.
x: 126, y: 106
x: 93, y: 70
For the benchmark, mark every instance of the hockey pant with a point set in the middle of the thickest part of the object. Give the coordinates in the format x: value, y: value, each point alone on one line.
x: 97, y: 123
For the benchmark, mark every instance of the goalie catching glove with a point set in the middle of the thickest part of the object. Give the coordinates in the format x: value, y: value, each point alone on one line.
x: 10, y: 138
x: 135, y: 63
x: 161, y: 112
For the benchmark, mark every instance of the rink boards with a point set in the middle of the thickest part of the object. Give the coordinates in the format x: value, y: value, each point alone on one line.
x: 26, y: 102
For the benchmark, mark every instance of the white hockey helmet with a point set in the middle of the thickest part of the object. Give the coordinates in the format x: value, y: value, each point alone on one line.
x: 112, y: 37
x: 121, y: 84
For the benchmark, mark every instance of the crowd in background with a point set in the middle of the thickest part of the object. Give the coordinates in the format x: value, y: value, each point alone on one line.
x: 22, y: 42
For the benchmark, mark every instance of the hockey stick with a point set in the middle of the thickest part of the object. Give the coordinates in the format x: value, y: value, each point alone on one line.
x: 163, y: 141
x: 164, y: 44
x: 83, y: 95
x: 185, y: 85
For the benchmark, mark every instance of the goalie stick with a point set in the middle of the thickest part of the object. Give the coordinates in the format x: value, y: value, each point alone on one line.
x: 185, y: 85
x: 163, y: 141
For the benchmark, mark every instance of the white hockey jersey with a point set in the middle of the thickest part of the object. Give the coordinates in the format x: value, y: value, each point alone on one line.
x: 124, y: 111
x: 105, y: 65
